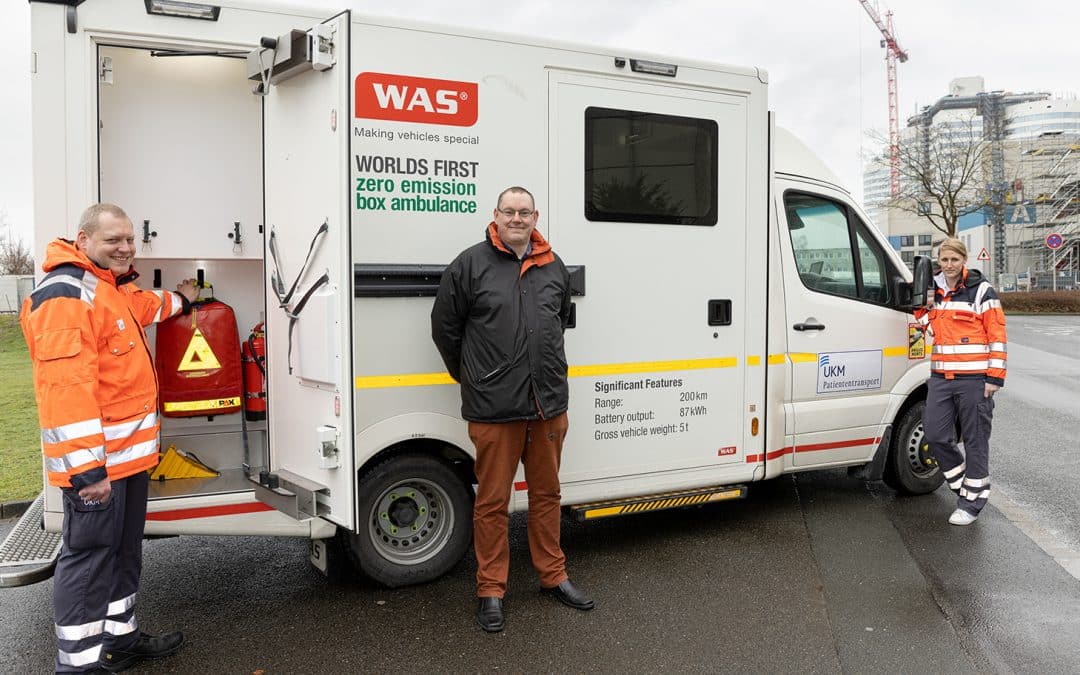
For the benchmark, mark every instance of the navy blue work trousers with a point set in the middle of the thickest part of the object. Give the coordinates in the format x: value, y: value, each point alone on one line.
x: 97, y: 574
x: 961, y: 400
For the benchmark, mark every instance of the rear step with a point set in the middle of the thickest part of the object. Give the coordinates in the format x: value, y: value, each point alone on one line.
x: 657, y: 502
x: 28, y: 554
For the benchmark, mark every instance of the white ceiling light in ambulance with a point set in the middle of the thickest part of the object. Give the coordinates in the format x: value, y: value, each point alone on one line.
x: 186, y: 10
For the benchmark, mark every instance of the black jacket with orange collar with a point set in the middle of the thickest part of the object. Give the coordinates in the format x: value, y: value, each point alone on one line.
x: 498, y: 324
x: 968, y: 329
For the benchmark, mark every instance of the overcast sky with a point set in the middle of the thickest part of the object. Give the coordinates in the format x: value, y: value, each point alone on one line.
x: 826, y: 68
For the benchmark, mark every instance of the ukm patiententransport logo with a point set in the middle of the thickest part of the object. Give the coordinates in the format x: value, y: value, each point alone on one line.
x: 425, y: 100
x: 848, y: 371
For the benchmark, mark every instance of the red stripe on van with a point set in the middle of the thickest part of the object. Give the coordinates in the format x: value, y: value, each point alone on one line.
x: 751, y: 459
x: 209, y: 511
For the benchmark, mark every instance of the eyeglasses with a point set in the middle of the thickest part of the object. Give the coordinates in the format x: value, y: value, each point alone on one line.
x: 524, y: 213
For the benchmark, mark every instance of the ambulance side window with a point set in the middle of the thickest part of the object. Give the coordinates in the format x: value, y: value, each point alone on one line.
x: 643, y: 167
x: 834, y: 250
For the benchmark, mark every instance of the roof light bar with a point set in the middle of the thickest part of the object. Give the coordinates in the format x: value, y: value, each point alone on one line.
x: 653, y: 67
x: 185, y: 10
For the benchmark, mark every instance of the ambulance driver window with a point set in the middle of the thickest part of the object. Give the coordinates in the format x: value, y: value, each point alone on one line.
x: 648, y: 168
x: 821, y: 236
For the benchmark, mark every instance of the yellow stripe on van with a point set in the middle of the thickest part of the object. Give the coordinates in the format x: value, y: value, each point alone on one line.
x: 777, y: 359
x: 753, y: 360
x: 415, y: 380
x: 427, y: 379
x: 895, y: 351
x: 802, y: 358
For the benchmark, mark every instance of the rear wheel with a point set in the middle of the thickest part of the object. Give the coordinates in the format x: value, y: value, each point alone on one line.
x: 910, y: 468
x: 415, y: 521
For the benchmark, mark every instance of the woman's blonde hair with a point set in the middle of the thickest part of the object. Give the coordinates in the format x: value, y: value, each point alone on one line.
x: 955, y: 245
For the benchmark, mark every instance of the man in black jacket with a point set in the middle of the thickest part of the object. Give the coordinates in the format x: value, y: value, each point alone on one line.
x: 498, y: 322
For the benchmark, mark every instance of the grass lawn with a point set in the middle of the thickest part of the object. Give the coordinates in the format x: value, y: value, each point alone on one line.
x: 20, y: 449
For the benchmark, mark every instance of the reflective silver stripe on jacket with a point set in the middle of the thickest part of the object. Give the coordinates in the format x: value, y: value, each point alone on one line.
x: 87, y: 285
x: 69, y: 432
x: 957, y: 306
x: 75, y: 458
x: 125, y: 429
x: 959, y: 365
x: 136, y: 451
x: 998, y: 347
x: 961, y: 349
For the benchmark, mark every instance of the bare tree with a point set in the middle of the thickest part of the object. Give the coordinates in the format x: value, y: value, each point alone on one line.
x: 16, y: 257
x: 941, y: 167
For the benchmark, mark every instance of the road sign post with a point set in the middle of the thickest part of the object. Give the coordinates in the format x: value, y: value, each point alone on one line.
x: 1054, y: 241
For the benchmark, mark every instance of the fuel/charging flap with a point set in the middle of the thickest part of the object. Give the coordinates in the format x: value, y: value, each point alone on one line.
x: 308, y: 271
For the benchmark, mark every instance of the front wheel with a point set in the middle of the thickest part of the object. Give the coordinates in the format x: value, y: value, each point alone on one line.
x: 910, y: 468
x: 415, y: 521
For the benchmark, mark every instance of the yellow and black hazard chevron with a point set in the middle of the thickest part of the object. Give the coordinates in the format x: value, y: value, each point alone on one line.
x: 656, y: 502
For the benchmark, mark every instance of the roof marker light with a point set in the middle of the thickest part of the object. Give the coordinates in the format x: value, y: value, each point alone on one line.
x: 186, y: 10
x: 653, y: 67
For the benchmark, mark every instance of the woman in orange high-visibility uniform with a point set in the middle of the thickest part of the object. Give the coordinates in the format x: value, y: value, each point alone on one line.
x: 967, y: 366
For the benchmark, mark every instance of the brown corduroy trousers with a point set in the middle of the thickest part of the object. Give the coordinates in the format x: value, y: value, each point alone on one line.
x: 499, y: 449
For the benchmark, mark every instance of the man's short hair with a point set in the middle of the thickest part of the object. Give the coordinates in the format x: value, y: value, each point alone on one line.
x: 515, y: 188
x: 88, y: 222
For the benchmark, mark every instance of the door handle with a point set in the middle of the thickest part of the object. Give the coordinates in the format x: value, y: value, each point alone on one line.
x: 808, y: 326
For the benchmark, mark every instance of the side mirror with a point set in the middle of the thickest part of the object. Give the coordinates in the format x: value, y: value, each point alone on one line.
x: 920, y: 281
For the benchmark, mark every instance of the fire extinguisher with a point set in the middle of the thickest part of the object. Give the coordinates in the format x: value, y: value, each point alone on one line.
x: 254, y: 357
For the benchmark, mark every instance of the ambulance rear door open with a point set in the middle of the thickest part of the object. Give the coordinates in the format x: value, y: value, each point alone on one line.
x: 308, y: 273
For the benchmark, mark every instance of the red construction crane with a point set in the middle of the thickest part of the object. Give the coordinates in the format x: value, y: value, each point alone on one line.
x: 893, y: 52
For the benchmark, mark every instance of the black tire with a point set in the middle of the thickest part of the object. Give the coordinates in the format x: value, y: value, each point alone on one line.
x: 415, y: 521
x: 910, y: 468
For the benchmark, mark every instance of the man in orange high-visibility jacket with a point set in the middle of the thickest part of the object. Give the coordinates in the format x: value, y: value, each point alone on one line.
x: 97, y: 403
x: 967, y: 366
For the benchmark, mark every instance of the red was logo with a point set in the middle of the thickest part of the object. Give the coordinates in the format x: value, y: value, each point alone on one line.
x: 382, y: 96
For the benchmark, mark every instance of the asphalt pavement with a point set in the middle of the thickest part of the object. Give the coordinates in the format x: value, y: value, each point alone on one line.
x: 814, y: 573
x: 818, y: 573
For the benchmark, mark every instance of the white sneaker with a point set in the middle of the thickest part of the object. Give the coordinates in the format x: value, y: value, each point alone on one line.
x: 961, y: 517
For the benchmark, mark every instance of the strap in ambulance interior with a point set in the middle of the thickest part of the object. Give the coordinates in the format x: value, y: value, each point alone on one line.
x: 285, y: 298
x: 276, y: 278
x: 294, y: 315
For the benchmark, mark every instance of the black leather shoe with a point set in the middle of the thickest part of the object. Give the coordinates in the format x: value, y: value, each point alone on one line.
x: 569, y: 594
x: 146, y: 647
x: 490, y: 615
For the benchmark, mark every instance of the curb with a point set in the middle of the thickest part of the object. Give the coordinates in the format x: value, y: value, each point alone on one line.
x: 14, y: 509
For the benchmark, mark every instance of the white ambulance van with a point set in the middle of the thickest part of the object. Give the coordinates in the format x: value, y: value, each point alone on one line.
x: 736, y: 315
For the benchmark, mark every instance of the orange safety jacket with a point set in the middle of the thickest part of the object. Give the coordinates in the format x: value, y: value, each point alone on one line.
x: 967, y: 325
x: 94, y: 380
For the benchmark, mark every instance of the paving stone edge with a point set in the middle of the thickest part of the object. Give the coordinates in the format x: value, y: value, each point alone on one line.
x: 14, y: 509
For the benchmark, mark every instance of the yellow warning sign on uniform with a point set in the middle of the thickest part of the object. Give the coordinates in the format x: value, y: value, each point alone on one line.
x: 198, y: 355
x: 916, y: 342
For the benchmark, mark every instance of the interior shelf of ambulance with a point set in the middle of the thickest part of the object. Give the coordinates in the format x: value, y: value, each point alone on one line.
x: 180, y: 149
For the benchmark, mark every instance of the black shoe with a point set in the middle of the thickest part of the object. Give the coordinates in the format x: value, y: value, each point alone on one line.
x: 490, y: 615
x: 146, y: 647
x: 569, y: 594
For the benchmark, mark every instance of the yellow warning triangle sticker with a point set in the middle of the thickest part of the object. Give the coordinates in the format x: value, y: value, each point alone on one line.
x: 198, y: 356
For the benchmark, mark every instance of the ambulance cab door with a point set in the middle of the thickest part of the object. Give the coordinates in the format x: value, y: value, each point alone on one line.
x: 846, y: 330
x: 309, y: 275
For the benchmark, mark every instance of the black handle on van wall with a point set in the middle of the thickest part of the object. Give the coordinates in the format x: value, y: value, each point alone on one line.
x: 808, y: 326
x: 720, y: 312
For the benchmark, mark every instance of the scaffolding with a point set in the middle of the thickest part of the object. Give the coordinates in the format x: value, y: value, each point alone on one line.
x: 1048, y: 179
